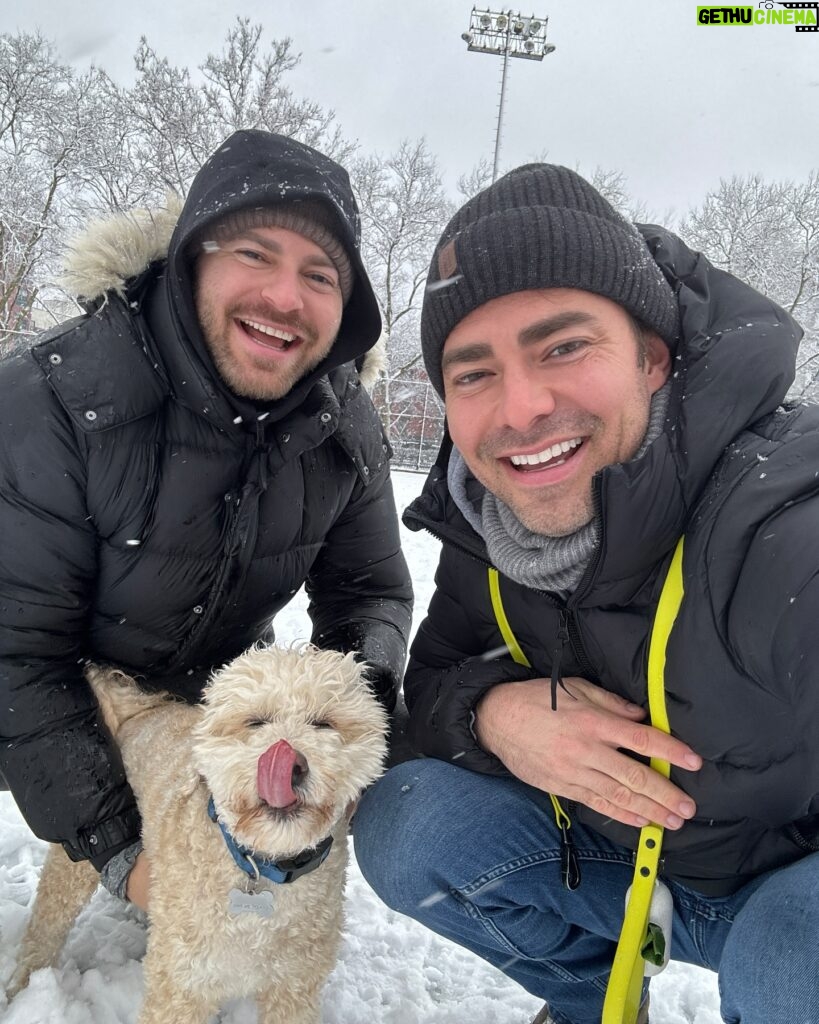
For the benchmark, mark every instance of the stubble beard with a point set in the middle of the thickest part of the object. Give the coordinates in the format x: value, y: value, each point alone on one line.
x: 545, y: 513
x: 257, y: 378
x: 548, y: 522
x: 550, y: 511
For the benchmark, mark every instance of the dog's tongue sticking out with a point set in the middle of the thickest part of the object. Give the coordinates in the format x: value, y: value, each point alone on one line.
x: 279, y: 767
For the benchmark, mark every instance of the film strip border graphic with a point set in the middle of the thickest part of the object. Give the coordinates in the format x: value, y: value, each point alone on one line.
x: 814, y: 6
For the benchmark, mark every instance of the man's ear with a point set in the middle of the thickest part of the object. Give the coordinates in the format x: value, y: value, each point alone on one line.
x: 657, y: 362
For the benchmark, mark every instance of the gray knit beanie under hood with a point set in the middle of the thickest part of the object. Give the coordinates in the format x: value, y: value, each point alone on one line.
x: 311, y: 219
x: 540, y: 226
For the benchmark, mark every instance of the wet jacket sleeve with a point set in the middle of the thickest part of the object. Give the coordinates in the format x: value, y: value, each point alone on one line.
x: 449, y: 672
x: 360, y: 590
x: 58, y: 760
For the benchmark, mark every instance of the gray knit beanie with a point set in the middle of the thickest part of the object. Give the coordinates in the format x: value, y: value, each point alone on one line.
x: 540, y: 226
x: 309, y: 218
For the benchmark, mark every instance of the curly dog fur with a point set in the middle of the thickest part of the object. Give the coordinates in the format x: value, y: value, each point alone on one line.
x: 200, y: 952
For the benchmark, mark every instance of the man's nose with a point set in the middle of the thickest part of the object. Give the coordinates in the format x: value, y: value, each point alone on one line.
x: 282, y: 289
x: 526, y: 397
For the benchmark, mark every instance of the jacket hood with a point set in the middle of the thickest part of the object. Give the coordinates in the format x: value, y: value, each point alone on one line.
x: 254, y: 169
x: 250, y: 169
x: 734, y: 364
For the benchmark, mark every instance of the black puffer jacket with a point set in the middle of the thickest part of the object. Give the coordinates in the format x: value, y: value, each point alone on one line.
x: 739, y: 478
x: 152, y: 520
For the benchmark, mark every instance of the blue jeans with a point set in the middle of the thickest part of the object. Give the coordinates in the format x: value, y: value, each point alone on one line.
x: 477, y: 859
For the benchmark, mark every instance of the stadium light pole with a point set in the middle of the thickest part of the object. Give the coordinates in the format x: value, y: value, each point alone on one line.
x: 506, y: 34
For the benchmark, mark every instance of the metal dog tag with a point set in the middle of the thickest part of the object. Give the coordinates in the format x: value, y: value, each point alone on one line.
x: 259, y: 903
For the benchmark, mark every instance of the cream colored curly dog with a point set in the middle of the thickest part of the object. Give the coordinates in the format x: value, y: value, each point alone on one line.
x: 284, y: 743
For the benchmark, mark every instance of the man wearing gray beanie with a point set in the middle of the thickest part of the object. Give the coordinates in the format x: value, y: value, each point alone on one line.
x: 619, y: 660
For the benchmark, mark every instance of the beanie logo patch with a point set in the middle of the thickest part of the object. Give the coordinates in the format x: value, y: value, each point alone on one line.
x: 447, y: 261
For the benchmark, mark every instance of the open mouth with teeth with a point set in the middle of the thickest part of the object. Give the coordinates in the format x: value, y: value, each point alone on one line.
x: 556, y: 455
x: 270, y: 337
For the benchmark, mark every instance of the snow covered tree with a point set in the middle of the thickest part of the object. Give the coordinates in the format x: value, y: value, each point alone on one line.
x: 404, y: 209
x: 245, y: 89
x: 162, y: 129
x: 767, y: 233
x: 476, y: 180
x: 44, y: 125
x: 612, y: 186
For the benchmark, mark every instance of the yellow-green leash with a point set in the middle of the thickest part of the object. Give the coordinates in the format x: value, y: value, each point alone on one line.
x: 625, y: 987
x: 509, y: 637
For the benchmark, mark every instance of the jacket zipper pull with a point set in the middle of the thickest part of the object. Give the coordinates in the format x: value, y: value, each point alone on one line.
x: 569, y: 864
x: 557, y: 655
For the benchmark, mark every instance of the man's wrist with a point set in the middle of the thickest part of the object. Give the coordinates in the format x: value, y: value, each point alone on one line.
x: 486, y: 713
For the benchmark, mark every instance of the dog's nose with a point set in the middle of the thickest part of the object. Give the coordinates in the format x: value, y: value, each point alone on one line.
x: 279, y: 770
x: 300, y: 768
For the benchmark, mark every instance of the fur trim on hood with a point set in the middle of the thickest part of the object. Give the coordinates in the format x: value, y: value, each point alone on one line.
x: 114, y: 249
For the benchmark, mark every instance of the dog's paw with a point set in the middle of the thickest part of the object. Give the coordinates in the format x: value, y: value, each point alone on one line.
x: 18, y: 981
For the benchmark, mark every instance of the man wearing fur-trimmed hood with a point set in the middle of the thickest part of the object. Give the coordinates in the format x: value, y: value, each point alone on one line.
x: 176, y: 463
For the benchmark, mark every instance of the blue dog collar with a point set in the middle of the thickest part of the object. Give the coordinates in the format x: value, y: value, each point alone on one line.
x: 278, y: 871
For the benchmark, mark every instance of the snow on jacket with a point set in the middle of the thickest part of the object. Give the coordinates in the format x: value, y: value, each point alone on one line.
x: 152, y: 520
x: 739, y: 477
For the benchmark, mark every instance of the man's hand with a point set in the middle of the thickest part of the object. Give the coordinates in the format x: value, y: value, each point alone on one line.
x: 137, y: 888
x: 573, y: 752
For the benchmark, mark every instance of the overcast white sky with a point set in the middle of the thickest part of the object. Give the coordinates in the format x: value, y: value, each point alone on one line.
x: 634, y: 85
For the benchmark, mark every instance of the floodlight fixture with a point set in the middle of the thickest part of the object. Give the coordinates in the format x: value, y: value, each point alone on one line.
x: 494, y: 32
x: 507, y: 34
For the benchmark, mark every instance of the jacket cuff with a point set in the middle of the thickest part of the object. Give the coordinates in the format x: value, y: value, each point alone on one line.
x: 99, y: 843
x: 445, y: 730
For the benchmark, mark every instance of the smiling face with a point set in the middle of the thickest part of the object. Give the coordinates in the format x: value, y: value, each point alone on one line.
x: 270, y: 305
x: 543, y: 389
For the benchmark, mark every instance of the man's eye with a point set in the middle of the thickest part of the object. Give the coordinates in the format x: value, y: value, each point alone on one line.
x: 249, y: 256
x: 465, y: 379
x: 323, y: 279
x: 566, y: 348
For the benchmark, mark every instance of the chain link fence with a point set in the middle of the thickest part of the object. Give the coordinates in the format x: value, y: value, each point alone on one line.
x: 413, y: 416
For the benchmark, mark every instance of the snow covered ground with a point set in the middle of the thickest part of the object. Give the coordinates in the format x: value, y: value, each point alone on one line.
x: 391, y: 970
